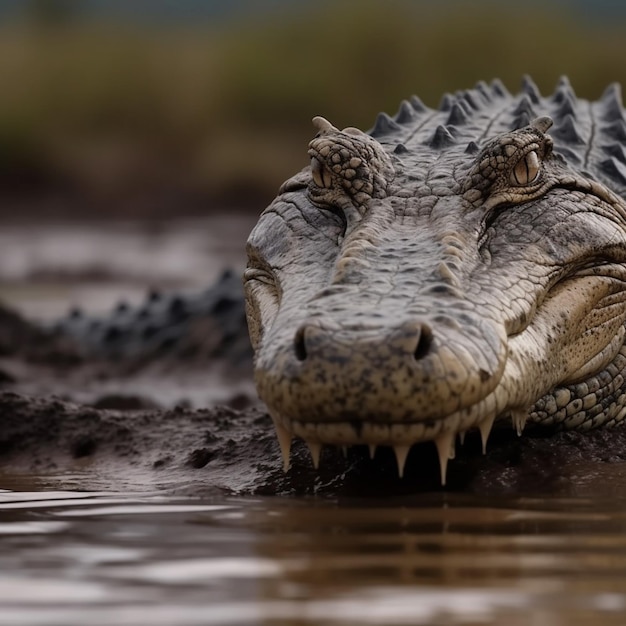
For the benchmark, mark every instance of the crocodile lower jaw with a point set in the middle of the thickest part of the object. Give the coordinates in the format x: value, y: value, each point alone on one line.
x: 399, y: 436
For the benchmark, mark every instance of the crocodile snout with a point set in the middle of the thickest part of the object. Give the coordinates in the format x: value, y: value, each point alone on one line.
x: 367, y: 383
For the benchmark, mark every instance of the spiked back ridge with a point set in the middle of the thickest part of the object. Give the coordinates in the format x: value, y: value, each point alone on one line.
x: 591, y: 136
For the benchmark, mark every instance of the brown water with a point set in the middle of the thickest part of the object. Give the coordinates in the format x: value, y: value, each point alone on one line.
x: 73, y: 558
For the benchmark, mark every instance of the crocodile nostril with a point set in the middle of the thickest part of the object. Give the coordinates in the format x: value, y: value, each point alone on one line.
x: 424, y: 342
x: 299, y: 344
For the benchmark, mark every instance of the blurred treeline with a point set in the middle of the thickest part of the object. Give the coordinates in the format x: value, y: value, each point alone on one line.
x: 156, y: 117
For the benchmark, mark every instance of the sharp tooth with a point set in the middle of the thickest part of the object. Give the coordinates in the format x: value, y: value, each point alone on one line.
x: 519, y: 417
x: 485, y: 429
x: 315, y: 449
x: 444, y: 444
x: 401, y: 454
x: 344, y: 451
x: 284, y: 441
x: 462, y: 437
x: 372, y: 449
x: 328, y: 179
x: 316, y: 172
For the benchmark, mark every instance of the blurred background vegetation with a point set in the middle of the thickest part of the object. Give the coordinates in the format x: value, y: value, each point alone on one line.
x: 155, y: 107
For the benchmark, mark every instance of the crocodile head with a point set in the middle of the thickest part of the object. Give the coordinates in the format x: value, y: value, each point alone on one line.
x: 449, y: 268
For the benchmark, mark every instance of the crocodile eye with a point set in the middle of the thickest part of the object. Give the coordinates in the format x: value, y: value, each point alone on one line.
x: 527, y: 170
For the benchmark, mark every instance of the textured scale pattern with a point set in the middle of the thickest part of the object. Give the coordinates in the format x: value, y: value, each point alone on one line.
x: 591, y: 135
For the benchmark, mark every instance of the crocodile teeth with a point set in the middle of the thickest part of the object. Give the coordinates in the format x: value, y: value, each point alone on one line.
x: 519, y: 418
x: 444, y: 444
x: 316, y: 172
x: 485, y: 429
x: 284, y: 441
x: 462, y: 436
x: 315, y: 449
x: 401, y: 454
x: 344, y: 451
x: 372, y: 449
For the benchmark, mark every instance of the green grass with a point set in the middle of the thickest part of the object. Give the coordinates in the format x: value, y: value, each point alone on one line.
x: 109, y: 110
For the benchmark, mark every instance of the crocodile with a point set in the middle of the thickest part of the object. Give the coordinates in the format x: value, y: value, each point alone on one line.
x: 449, y: 269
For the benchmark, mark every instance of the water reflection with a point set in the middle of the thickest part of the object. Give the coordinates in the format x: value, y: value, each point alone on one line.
x: 73, y: 558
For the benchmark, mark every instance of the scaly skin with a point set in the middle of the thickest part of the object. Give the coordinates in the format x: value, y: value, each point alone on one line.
x: 450, y: 268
